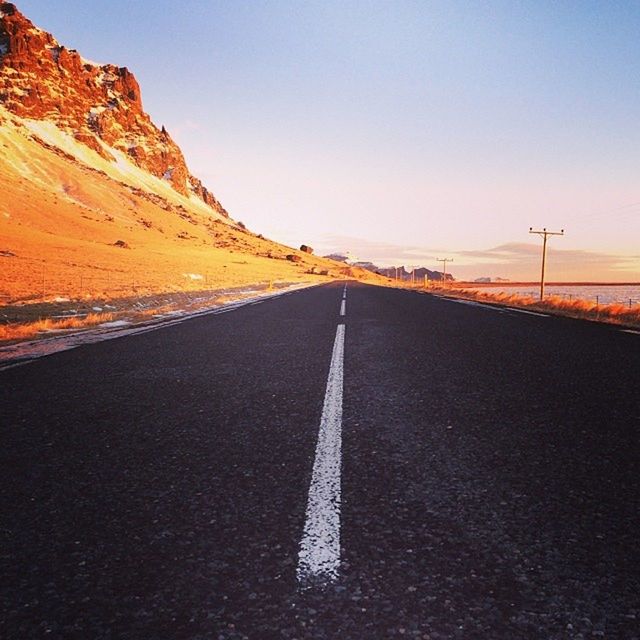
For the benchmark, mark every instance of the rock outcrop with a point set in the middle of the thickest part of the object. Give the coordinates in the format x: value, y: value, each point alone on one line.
x: 100, y: 104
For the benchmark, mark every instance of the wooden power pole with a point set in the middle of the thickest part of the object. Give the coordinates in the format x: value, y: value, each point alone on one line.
x: 545, y: 234
x: 444, y: 268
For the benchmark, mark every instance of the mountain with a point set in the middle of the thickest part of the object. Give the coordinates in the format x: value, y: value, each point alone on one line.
x: 97, y: 201
x: 100, y: 105
x: 402, y: 274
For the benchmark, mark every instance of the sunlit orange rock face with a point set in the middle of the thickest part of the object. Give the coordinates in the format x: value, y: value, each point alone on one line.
x: 100, y: 104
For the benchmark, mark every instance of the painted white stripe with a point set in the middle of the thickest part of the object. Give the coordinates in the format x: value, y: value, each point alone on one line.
x: 471, y: 303
x: 530, y: 313
x: 343, y: 308
x: 344, y: 292
x: 630, y: 331
x: 319, y: 557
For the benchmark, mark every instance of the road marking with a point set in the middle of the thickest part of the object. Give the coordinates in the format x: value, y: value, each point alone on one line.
x: 27, y: 352
x: 343, y: 308
x: 530, y: 313
x: 471, y: 303
x: 319, y: 557
x: 344, y: 292
x: 630, y: 331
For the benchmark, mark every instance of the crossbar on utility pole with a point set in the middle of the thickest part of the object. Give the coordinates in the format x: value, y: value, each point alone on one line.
x: 444, y: 268
x: 545, y: 234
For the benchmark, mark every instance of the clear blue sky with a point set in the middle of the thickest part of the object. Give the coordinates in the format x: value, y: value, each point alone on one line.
x: 397, y: 130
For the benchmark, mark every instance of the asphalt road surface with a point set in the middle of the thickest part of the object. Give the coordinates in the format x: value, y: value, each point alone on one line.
x: 389, y: 465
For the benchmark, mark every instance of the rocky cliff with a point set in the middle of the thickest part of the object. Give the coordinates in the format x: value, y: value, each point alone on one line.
x: 100, y: 104
x: 418, y: 274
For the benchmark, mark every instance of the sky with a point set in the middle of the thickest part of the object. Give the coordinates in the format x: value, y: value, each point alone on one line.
x: 398, y: 131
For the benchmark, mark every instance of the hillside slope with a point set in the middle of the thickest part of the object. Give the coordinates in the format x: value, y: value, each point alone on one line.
x: 96, y: 200
x: 100, y: 105
x: 73, y: 224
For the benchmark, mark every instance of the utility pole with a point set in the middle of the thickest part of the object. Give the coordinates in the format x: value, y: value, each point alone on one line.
x: 444, y: 268
x: 545, y: 234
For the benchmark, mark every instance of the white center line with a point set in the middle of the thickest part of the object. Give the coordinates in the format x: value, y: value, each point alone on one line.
x: 343, y: 308
x: 630, y: 331
x: 319, y: 557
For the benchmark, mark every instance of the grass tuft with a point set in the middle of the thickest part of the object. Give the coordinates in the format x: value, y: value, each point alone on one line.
x: 22, y: 331
x: 584, y: 309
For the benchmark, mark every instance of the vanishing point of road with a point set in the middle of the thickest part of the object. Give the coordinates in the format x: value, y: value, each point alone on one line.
x: 342, y: 462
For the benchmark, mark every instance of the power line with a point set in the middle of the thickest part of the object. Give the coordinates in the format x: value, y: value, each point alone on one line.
x: 624, y: 210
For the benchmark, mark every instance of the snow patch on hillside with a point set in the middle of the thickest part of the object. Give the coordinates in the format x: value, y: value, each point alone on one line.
x: 91, y: 63
x: 121, y: 169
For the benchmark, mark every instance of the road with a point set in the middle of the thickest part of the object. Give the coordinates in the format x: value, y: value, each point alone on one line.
x: 442, y: 470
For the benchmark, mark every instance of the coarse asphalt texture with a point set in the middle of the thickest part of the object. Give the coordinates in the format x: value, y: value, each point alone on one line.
x: 155, y: 486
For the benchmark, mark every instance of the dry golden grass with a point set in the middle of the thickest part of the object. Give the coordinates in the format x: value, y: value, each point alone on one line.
x: 23, y: 331
x: 576, y: 308
x: 70, y: 231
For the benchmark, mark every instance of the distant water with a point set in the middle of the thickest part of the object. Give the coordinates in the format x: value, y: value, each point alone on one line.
x: 603, y: 293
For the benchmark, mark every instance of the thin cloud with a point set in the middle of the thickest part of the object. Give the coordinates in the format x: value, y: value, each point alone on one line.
x: 522, y: 261
x: 381, y: 253
x: 514, y: 260
x: 519, y: 253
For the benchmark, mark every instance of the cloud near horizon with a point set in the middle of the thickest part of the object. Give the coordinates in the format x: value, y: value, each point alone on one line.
x: 384, y: 254
x: 513, y: 260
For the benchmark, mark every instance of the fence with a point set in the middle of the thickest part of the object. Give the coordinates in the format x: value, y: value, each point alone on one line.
x: 597, y: 299
x: 31, y: 281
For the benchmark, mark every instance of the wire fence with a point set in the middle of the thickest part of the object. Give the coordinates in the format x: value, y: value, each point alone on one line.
x: 26, y: 280
x: 598, y: 298
x: 33, y: 282
x: 627, y: 295
x: 605, y: 298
